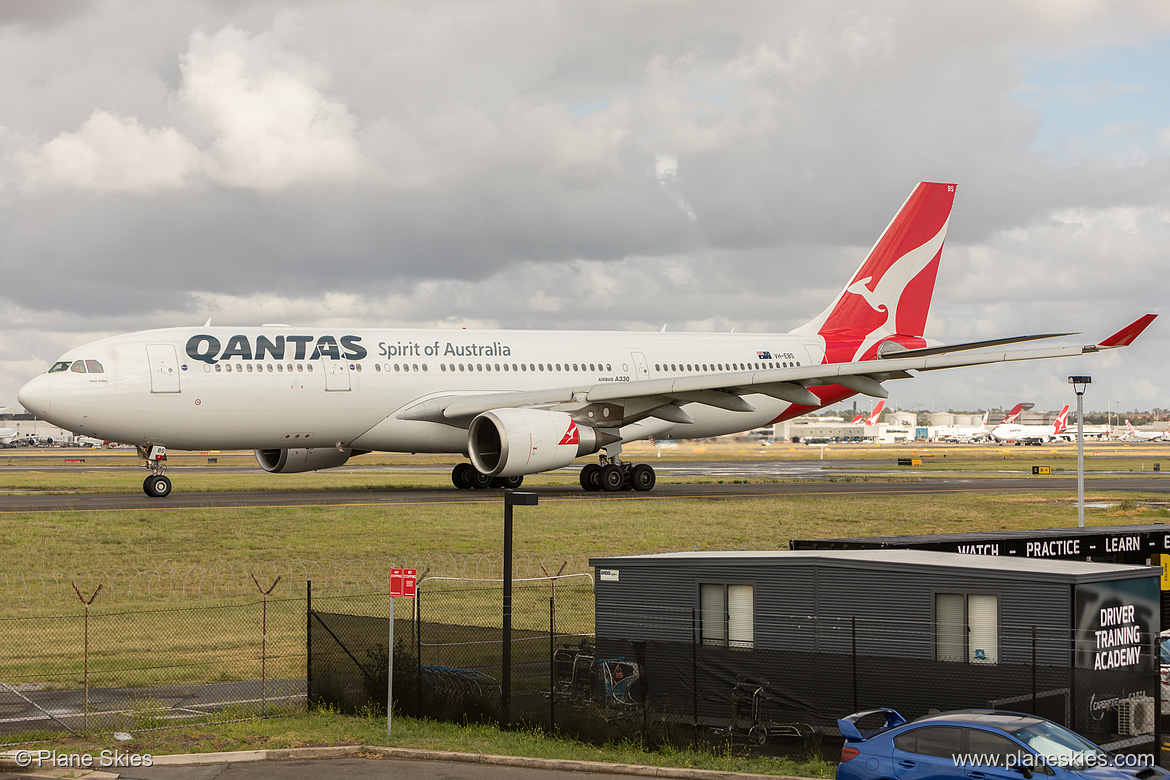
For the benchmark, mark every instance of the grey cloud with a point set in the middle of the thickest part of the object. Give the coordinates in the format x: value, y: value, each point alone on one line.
x: 499, y: 163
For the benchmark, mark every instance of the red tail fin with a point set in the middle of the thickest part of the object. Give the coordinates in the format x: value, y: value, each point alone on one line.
x: 1061, y: 421
x: 888, y: 298
x: 877, y: 412
x: 1013, y: 414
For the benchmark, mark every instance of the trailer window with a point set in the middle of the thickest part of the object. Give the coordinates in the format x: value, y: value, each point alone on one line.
x: 966, y: 627
x: 727, y: 615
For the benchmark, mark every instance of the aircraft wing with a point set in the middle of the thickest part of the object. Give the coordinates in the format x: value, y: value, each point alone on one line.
x: 662, y: 397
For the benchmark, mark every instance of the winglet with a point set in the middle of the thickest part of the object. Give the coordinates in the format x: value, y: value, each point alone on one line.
x: 1126, y: 336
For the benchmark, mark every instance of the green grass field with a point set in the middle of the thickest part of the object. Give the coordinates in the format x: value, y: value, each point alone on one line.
x: 177, y: 586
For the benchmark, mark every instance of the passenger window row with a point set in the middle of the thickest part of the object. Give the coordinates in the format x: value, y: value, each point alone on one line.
x: 693, y: 367
x: 260, y: 368
x: 478, y: 368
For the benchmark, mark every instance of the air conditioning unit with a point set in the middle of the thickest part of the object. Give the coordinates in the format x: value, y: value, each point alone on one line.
x: 1135, y: 716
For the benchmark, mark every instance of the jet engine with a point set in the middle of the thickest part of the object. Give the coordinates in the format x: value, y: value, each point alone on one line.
x: 294, y: 461
x: 514, y: 442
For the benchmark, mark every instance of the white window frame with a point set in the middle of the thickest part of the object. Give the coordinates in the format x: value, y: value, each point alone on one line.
x: 727, y: 614
x: 966, y: 627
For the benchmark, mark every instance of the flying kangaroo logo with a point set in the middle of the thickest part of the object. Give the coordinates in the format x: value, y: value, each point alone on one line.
x: 572, y: 436
x: 886, y: 294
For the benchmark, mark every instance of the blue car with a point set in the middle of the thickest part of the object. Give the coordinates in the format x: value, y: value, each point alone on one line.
x: 978, y: 745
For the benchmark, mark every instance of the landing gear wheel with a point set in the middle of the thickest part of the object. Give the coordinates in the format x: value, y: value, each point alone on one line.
x: 157, y: 486
x: 510, y: 483
x: 612, y: 478
x: 460, y: 476
x: 590, y: 476
x: 478, y: 480
x: 642, y: 478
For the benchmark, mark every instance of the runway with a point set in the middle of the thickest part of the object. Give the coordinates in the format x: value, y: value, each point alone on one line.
x: 798, y: 484
x: 751, y: 472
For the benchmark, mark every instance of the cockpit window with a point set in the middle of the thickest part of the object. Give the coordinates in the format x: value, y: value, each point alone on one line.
x: 78, y: 367
x: 62, y: 365
x: 94, y: 367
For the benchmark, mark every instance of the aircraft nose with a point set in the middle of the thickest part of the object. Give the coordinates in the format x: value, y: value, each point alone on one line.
x: 36, y: 396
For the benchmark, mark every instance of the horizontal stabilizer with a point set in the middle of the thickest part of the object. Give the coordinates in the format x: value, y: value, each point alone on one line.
x: 945, y: 348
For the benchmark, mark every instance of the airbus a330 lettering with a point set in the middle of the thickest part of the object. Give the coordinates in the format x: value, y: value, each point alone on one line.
x: 514, y: 402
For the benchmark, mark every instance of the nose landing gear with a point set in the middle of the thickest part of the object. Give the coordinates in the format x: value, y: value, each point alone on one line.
x: 156, y: 485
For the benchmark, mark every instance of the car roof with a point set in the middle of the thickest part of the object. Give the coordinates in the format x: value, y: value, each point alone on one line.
x: 1010, y: 722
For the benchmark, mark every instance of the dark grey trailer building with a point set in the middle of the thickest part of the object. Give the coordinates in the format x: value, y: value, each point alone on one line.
x: 826, y: 633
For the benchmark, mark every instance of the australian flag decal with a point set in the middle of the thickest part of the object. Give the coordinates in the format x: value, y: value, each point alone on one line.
x: 763, y: 355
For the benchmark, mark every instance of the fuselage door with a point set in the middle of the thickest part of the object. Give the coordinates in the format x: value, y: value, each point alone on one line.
x: 641, y: 368
x: 164, y: 368
x: 336, y: 373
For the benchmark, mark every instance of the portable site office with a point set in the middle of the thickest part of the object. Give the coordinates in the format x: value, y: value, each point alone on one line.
x: 821, y: 634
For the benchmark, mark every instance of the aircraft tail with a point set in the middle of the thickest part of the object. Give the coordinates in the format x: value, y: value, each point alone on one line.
x: 888, y: 297
x: 877, y: 412
x: 1011, y: 416
x: 1130, y: 429
x: 1061, y: 421
x: 857, y: 419
x: 983, y: 424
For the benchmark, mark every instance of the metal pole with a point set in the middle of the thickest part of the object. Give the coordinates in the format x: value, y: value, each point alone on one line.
x: 264, y: 646
x: 308, y: 644
x: 1156, y: 680
x: 1080, y: 460
x: 418, y: 652
x: 86, y: 602
x: 1033, y: 670
x: 524, y: 499
x: 390, y: 673
x: 854, y: 634
x: 552, y: 666
x: 695, y: 672
x: 506, y: 671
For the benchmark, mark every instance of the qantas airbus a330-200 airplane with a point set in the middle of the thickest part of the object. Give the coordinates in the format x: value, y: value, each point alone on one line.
x: 514, y: 402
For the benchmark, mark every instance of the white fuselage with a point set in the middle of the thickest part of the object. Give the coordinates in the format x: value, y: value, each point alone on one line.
x: 279, y: 386
x: 1012, y: 432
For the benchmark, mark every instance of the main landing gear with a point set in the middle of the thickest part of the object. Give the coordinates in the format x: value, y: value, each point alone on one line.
x: 465, y: 476
x: 156, y: 485
x: 612, y: 475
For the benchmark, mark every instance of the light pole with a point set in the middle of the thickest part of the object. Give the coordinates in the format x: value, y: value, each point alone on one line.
x: 511, y: 498
x: 1080, y: 383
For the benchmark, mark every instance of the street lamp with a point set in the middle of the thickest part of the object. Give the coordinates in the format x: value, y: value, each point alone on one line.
x: 511, y: 498
x: 1080, y: 383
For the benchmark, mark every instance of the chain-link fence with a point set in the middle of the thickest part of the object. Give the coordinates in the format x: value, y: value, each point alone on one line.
x: 125, y: 668
x: 449, y: 652
x: 116, y: 666
x: 448, y: 665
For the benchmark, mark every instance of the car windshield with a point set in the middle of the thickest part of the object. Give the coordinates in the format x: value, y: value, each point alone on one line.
x: 1059, y: 745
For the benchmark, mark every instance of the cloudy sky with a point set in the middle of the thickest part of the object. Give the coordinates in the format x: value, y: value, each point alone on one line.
x: 577, y: 164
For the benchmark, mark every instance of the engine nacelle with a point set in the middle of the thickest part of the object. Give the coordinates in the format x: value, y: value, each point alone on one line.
x: 515, y: 442
x: 294, y: 461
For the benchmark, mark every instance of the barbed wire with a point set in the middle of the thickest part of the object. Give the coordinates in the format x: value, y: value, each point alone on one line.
x: 172, y: 581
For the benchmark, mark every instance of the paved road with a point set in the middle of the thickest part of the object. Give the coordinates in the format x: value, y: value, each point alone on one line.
x: 351, y: 768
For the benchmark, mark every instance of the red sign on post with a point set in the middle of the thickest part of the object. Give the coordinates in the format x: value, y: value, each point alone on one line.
x: 403, y: 582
